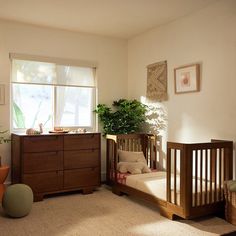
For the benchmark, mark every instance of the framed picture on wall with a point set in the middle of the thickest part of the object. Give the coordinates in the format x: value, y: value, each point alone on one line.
x: 2, y: 94
x: 187, y: 78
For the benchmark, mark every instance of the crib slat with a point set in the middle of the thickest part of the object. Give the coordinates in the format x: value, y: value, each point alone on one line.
x: 211, y: 177
x: 201, y: 178
x: 175, y: 196
x: 220, y: 177
x: 118, y: 144
x: 108, y: 167
x: 122, y: 144
x: 126, y: 144
x: 228, y: 174
x: 168, y: 191
x: 206, y: 175
x: 114, y: 151
x: 139, y: 146
x: 135, y: 145
x: 196, y: 176
x: 155, y: 152
x: 151, y: 154
x: 215, y: 175
x: 224, y: 166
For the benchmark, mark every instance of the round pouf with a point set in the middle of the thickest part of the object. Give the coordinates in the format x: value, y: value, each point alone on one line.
x: 17, y: 200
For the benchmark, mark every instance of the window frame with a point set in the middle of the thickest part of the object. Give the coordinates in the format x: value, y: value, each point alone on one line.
x: 63, y: 62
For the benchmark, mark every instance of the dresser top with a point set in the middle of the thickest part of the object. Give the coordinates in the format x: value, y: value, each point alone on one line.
x: 53, y: 134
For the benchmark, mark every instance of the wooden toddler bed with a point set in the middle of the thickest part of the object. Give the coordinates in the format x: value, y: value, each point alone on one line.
x: 192, y: 184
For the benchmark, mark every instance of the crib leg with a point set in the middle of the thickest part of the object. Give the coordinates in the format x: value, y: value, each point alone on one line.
x: 169, y: 215
x: 116, y: 191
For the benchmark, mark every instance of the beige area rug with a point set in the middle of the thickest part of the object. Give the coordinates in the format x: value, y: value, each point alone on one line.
x: 103, y: 213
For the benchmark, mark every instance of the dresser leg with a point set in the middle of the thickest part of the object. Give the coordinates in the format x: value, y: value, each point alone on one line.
x: 87, y: 190
x: 38, y: 197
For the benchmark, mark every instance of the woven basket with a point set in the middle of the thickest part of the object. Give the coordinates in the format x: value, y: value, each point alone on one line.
x: 230, y: 205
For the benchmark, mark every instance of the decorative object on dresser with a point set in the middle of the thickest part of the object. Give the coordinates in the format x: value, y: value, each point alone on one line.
x: 51, y: 163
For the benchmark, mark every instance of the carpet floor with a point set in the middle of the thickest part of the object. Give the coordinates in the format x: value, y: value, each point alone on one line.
x: 105, y: 214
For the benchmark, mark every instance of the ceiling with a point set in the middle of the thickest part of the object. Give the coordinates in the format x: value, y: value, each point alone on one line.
x: 116, y: 18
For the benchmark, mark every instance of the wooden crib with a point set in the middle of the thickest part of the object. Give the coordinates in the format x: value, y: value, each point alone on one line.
x: 195, y: 173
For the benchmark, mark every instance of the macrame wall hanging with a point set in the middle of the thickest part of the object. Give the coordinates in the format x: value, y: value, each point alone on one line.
x: 157, y: 81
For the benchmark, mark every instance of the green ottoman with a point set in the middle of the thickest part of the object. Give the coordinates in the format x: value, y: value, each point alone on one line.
x: 17, y: 200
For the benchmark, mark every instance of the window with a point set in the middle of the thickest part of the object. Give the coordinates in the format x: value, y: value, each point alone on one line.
x: 52, y: 94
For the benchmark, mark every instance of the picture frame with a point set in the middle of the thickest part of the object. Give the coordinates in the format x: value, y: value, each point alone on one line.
x: 187, y: 78
x: 2, y: 94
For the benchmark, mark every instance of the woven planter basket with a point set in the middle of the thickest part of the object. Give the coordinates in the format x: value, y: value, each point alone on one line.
x: 230, y: 204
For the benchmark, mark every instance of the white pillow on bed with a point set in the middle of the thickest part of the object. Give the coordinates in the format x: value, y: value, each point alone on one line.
x: 127, y: 156
x: 133, y: 167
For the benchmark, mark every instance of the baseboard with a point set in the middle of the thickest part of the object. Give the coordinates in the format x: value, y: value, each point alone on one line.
x: 103, y: 177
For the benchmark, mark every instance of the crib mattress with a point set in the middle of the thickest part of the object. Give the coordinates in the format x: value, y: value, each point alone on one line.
x: 154, y: 183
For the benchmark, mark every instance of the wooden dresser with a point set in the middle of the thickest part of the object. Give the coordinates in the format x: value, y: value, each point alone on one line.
x: 51, y: 163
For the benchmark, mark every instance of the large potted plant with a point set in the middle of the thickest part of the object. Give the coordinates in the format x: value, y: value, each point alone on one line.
x: 127, y: 116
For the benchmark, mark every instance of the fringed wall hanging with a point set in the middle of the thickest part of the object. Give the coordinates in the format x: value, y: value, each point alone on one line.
x: 157, y: 81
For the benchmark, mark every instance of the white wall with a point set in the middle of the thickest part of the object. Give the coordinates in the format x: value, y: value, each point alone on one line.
x: 110, y: 55
x: 207, y: 37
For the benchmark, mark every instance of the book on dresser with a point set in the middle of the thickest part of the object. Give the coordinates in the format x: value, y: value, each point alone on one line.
x: 51, y: 163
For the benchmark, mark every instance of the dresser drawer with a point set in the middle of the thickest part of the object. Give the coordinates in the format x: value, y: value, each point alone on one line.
x: 81, y: 159
x: 82, y: 141
x: 42, y: 161
x: 42, y: 143
x: 44, y: 182
x: 81, y: 178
